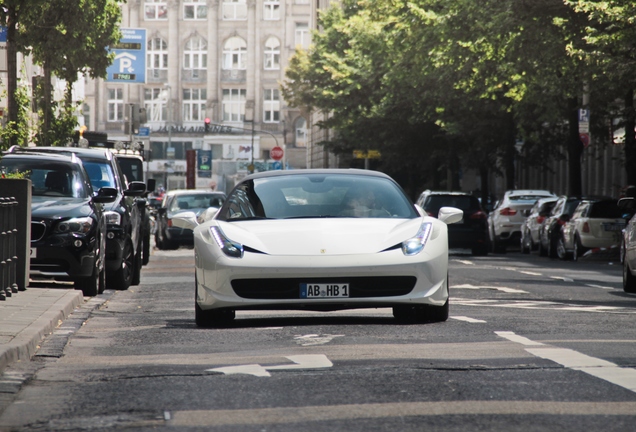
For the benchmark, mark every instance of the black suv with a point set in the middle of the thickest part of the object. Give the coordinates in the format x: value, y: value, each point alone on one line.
x: 132, y: 165
x: 472, y: 232
x: 123, y: 215
x: 68, y: 223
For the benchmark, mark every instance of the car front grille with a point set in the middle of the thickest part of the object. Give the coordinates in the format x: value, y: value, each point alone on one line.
x: 359, y: 287
x: 38, y: 230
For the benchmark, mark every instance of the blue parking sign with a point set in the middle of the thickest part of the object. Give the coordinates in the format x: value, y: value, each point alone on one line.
x: 129, y: 65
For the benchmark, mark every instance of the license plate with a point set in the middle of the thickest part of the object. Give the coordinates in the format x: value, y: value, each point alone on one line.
x: 33, y: 253
x: 613, y: 226
x: 324, y: 290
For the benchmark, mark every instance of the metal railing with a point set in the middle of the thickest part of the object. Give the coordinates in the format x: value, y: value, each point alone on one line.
x: 8, y: 247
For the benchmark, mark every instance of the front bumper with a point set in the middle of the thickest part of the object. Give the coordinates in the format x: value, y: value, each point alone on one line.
x: 382, y: 279
x: 56, y: 257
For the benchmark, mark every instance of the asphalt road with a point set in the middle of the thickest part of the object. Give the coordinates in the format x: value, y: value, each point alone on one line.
x: 532, y: 344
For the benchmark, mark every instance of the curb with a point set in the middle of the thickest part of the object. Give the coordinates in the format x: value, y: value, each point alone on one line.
x: 44, y: 319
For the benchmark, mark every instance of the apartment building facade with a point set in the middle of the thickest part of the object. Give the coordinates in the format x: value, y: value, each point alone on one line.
x: 221, y: 60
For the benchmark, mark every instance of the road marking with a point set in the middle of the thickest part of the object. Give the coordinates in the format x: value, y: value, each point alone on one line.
x: 599, y: 286
x: 467, y: 319
x: 498, y: 288
x: 314, y: 339
x: 149, y: 280
x: 542, y: 305
x: 599, y: 368
x: 323, y: 413
x: 530, y: 273
x: 563, y: 278
x: 465, y: 262
x: 301, y: 362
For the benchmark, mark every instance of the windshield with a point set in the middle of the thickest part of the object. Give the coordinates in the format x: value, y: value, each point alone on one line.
x: 317, y: 196
x: 198, y: 201
x: 100, y: 174
x: 50, y: 178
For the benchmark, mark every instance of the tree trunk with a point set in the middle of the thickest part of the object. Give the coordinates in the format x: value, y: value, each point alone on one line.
x: 630, y: 139
x: 510, y: 139
x: 47, y: 104
x: 575, y: 150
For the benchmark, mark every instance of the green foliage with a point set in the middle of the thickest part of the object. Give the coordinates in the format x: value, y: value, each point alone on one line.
x: 19, y: 130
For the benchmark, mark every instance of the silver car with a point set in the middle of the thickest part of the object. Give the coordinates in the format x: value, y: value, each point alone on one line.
x: 504, y: 222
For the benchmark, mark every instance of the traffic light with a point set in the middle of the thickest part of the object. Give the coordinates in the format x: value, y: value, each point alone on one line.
x: 206, y: 124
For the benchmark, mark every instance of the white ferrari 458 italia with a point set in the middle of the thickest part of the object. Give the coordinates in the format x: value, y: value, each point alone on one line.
x: 320, y: 240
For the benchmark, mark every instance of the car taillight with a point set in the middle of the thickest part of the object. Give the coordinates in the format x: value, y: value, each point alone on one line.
x: 430, y: 214
x: 561, y: 221
x: 479, y: 215
x: 508, y: 212
x: 586, y: 227
x: 169, y: 222
x: 540, y: 219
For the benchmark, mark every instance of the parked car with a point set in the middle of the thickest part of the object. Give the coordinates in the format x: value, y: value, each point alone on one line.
x: 628, y: 244
x: 469, y: 233
x: 532, y: 224
x: 123, y: 215
x: 68, y: 223
x: 505, y: 220
x: 328, y: 239
x: 168, y: 236
x: 594, y: 224
x: 551, y: 230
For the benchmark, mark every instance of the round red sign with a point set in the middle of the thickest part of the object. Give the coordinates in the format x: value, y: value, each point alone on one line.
x: 276, y: 153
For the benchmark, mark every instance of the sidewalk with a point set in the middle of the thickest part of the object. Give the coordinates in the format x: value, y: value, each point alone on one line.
x: 28, y: 316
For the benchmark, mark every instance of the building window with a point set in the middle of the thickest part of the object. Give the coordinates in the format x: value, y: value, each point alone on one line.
x: 156, y: 102
x: 234, y: 54
x: 234, y: 105
x: 302, y: 35
x: 157, y: 55
x: 86, y: 112
x: 272, y: 54
x: 300, y: 126
x: 194, y: 101
x: 195, y: 54
x: 271, y: 106
x: 271, y: 9
x: 234, y: 10
x: 195, y: 10
x: 115, y: 104
x: 156, y: 9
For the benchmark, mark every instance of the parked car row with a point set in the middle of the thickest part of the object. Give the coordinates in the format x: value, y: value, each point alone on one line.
x: 86, y: 217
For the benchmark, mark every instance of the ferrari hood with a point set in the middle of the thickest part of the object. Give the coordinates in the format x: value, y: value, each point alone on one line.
x: 321, y: 236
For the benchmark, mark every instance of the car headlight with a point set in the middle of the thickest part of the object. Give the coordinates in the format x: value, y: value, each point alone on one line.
x: 112, y: 218
x: 75, y: 225
x: 414, y: 245
x: 229, y: 247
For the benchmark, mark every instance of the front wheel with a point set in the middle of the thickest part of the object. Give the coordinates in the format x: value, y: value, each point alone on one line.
x: 211, y: 318
x: 90, y: 285
x: 629, y: 280
x: 421, y: 314
x: 561, y: 252
x: 121, y: 278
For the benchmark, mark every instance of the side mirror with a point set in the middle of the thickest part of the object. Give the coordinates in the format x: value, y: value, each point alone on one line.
x: 151, y: 185
x: 135, y: 189
x: 187, y: 220
x: 105, y: 195
x: 450, y: 215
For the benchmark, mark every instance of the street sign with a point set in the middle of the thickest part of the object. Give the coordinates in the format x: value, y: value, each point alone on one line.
x: 144, y: 131
x: 3, y: 49
x: 276, y: 153
x: 585, y: 139
x: 277, y: 165
x: 129, y: 65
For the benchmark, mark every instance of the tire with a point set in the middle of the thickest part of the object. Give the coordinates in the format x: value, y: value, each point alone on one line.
x: 552, y: 248
x: 136, y: 278
x: 542, y: 251
x: 579, y: 249
x: 497, y: 246
x: 480, y: 250
x: 524, y: 249
x: 629, y: 280
x: 121, y: 278
x: 146, y: 249
x: 561, y: 252
x: 102, y: 282
x: 215, y: 318
x: 89, y: 285
x: 421, y: 314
